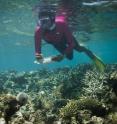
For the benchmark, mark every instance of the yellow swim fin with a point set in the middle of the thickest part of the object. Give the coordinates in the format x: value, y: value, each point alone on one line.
x: 99, y: 63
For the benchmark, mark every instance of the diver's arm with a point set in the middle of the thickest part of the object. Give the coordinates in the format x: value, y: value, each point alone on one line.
x: 38, y: 42
x: 69, y: 37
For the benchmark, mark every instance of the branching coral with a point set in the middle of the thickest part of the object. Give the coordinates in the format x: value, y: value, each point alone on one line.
x: 73, y: 107
x: 96, y: 107
x: 95, y: 85
x: 70, y: 110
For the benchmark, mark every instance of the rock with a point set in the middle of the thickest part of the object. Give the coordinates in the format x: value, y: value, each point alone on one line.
x: 97, y: 120
x: 2, y: 121
x: 50, y: 119
x: 22, y: 98
x: 26, y: 122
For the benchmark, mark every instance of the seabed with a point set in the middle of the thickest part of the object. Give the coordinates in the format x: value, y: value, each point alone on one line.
x: 79, y: 95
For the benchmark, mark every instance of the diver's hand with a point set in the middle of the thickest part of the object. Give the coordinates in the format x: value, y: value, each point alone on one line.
x: 58, y: 58
x: 39, y: 57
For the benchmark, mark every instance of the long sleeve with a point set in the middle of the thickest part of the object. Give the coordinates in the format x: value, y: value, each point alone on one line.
x: 37, y: 40
x: 69, y: 38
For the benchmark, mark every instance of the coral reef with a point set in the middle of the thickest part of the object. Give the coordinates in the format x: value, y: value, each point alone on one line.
x: 79, y: 95
x: 76, y: 108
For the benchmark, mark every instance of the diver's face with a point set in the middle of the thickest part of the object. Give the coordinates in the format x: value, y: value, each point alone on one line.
x: 45, y: 22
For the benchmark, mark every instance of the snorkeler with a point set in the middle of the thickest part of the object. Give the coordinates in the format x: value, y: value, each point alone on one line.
x: 55, y: 31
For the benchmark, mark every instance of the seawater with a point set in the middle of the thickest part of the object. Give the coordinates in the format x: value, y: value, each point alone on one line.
x: 17, y: 37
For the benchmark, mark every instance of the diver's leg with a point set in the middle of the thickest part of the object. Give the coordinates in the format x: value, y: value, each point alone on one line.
x: 80, y: 48
x: 97, y: 61
x: 61, y: 48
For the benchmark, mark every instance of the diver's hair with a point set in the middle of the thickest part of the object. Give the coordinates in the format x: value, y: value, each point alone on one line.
x: 45, y: 8
x: 51, y: 15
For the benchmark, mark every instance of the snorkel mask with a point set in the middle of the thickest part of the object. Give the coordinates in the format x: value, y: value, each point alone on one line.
x: 46, y: 19
x: 46, y: 13
x: 45, y: 22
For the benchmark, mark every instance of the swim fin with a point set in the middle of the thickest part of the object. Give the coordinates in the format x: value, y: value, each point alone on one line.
x: 99, y: 63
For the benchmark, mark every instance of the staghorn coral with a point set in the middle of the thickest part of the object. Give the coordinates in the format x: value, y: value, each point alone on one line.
x: 95, y: 85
